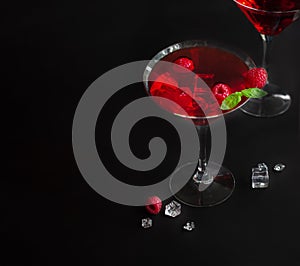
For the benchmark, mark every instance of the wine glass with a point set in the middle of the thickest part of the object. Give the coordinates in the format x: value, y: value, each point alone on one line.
x: 269, y: 18
x: 211, y: 63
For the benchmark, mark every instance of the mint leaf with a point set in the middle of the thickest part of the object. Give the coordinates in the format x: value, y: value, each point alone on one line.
x: 254, y: 93
x: 231, y: 101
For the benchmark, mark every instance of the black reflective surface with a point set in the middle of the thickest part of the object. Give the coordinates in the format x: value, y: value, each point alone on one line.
x: 52, y: 53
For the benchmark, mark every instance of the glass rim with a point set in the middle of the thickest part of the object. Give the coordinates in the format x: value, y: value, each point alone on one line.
x: 267, y: 11
x: 197, y: 43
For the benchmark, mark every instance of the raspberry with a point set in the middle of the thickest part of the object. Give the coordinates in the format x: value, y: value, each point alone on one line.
x: 256, y: 78
x: 153, y: 205
x: 184, y: 62
x: 221, y: 91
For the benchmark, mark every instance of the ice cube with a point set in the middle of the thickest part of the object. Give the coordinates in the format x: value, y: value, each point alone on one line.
x: 189, y: 226
x: 260, y: 176
x: 173, y: 209
x: 146, y: 222
x: 279, y: 167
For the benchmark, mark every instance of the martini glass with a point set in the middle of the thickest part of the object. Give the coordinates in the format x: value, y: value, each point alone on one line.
x: 269, y: 18
x: 211, y: 183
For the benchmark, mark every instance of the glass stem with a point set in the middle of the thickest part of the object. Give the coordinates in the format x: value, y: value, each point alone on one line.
x: 201, y: 175
x: 202, y: 132
x: 267, y: 44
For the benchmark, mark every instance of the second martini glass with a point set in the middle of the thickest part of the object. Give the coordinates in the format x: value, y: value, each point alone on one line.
x: 269, y: 18
x: 211, y: 183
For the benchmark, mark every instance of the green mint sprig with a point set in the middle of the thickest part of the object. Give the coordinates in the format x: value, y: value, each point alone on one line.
x: 233, y: 99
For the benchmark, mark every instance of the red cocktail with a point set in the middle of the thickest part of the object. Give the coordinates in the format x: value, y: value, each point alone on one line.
x: 269, y: 17
x: 207, y: 69
x: 210, y: 64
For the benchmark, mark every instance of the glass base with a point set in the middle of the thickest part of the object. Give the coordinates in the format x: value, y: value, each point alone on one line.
x: 201, y: 195
x: 273, y: 104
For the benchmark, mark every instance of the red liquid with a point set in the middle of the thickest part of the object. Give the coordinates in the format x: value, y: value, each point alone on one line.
x: 270, y: 17
x: 212, y: 65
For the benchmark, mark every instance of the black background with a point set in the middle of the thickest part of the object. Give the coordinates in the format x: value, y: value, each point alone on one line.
x: 52, y: 52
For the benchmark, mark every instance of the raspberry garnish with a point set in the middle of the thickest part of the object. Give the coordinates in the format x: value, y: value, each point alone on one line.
x: 153, y: 205
x: 256, y: 78
x: 221, y: 91
x: 184, y: 62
